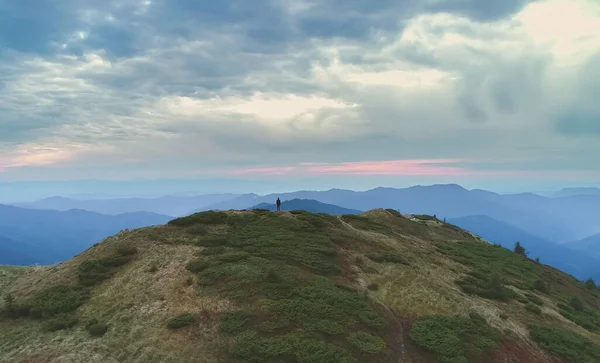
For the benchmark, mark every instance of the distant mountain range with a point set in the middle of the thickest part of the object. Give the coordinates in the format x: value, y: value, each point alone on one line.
x: 556, y: 219
x: 569, y: 192
x: 168, y: 205
x: 577, y: 263
x: 571, y: 215
x: 308, y: 205
x: 589, y: 245
x: 30, y: 236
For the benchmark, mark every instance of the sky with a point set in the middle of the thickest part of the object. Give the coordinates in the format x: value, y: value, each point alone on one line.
x: 259, y: 94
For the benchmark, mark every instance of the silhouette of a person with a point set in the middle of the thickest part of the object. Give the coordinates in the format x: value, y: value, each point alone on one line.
x: 278, y: 204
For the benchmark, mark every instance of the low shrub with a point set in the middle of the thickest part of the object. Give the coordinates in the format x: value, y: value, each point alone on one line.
x: 260, y: 210
x: 565, y: 344
x: 116, y: 261
x: 371, y: 319
x: 577, y: 304
x: 233, y: 256
x: 235, y: 322
x: 540, y: 285
x: 210, y: 217
x: 56, y: 300
x: 198, y: 230
x: 211, y: 251
x: 373, y: 287
x: 181, y: 321
x: 425, y: 217
x: 256, y: 349
x: 586, y: 319
x: 91, y: 272
x: 386, y: 257
x: 126, y: 251
x: 590, y: 284
x: 522, y: 299
x: 535, y: 299
x: 488, y: 286
x: 533, y: 308
x: 366, y: 343
x: 60, y: 322
x: 197, y: 265
x: 455, y: 338
x: 96, y: 328
x: 395, y: 212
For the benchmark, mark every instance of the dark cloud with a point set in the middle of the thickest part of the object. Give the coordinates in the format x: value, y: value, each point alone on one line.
x: 579, y: 123
x: 583, y: 119
x: 481, y: 10
x: 118, y: 84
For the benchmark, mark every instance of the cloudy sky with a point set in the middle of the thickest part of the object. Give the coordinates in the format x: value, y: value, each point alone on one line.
x: 353, y: 92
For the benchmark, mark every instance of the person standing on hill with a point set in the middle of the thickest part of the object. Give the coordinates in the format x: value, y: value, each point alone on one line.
x: 278, y: 204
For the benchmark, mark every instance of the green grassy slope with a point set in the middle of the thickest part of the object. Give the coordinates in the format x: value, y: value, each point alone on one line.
x: 257, y: 286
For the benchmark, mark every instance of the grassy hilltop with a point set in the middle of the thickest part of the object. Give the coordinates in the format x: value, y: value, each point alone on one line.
x: 257, y: 286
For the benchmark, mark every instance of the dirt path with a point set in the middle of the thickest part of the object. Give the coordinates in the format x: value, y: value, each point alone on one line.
x: 395, y: 332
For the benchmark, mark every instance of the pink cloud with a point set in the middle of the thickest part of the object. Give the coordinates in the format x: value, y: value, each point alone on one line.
x: 266, y: 171
x: 431, y: 167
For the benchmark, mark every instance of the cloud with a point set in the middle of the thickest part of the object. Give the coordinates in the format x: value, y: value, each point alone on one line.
x: 183, y: 86
x: 391, y: 167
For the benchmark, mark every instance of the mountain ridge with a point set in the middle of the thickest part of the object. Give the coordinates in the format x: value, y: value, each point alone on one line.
x: 259, y: 286
x: 308, y: 205
x: 49, y: 236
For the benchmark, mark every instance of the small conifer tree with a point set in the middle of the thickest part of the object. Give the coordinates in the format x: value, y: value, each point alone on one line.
x: 590, y: 284
x: 520, y: 250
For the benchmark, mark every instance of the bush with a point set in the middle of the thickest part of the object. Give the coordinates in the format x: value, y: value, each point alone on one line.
x: 233, y: 256
x: 126, y: 251
x: 95, y: 328
x: 455, y: 338
x: 373, y: 287
x: 235, y: 322
x: 256, y: 349
x: 590, y: 284
x: 577, y: 304
x: 198, y: 230
x: 565, y: 344
x: 386, y: 257
x: 533, y: 308
x: 56, y: 300
x: 535, y: 299
x: 210, y: 251
x: 372, y: 319
x: 489, y: 287
x: 181, y: 321
x: 366, y: 343
x: 210, y: 217
x: 425, y: 217
x: 189, y: 281
x: 60, y: 322
x: 197, y: 265
x: 540, y: 285
x: 503, y: 316
x: 115, y: 261
x: 92, y: 272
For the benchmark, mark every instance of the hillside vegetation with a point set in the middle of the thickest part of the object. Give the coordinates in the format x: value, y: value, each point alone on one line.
x: 258, y: 286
